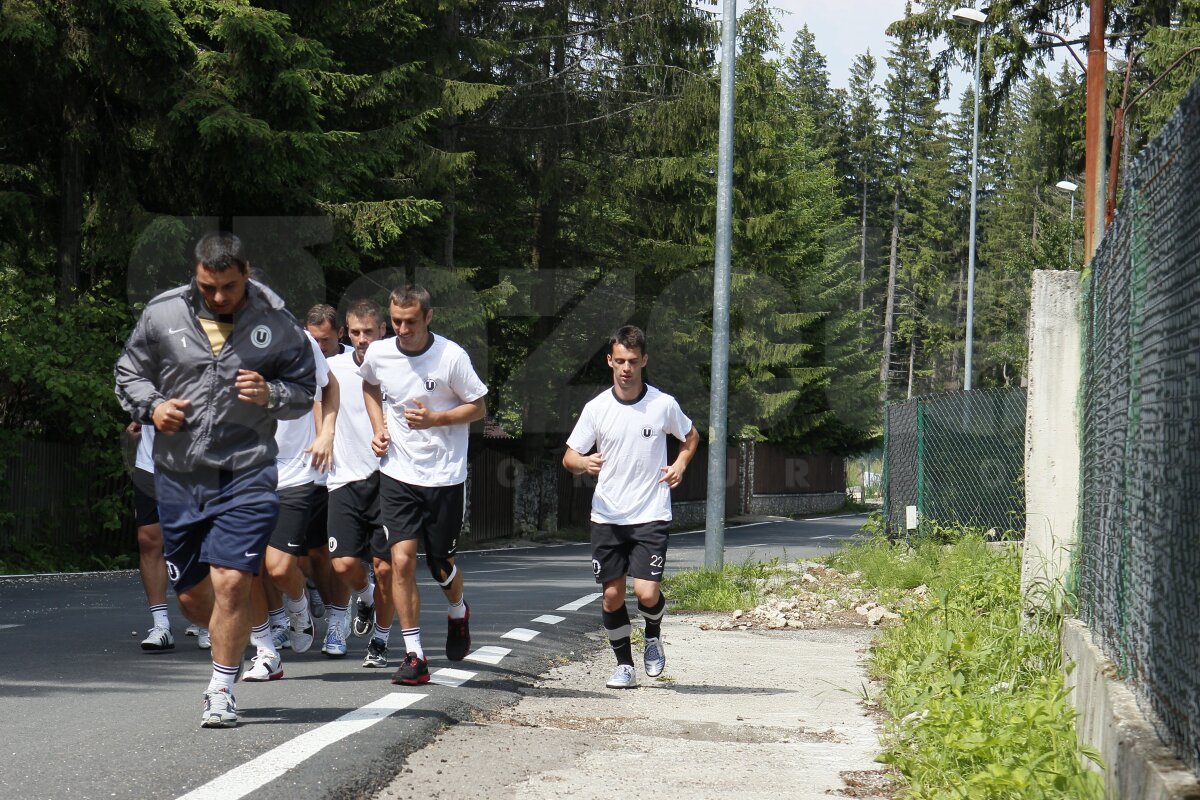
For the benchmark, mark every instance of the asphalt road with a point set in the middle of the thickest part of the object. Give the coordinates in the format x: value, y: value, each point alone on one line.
x: 89, y: 715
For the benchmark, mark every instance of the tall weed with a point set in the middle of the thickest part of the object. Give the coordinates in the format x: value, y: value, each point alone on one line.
x: 977, y: 703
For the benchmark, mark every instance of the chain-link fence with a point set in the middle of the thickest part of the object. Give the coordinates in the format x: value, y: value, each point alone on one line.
x: 1139, y: 556
x: 957, y: 459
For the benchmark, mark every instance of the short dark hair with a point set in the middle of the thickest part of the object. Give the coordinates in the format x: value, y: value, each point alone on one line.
x: 321, y: 313
x: 365, y: 308
x: 630, y: 337
x: 220, y: 250
x: 411, y: 295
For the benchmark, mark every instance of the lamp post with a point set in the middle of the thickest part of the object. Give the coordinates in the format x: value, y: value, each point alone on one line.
x: 975, y: 19
x: 1067, y: 186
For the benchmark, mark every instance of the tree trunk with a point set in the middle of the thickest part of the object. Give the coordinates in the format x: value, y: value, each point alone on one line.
x: 862, y: 254
x: 890, y: 307
x: 912, y: 360
x: 450, y: 145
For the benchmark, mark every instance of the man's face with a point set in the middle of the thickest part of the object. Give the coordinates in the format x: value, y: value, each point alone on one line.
x: 362, y: 331
x: 627, y: 366
x: 328, y: 338
x: 224, y: 292
x: 411, y: 325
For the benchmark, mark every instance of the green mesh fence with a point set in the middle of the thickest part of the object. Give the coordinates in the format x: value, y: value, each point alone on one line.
x: 1139, y: 554
x: 959, y: 459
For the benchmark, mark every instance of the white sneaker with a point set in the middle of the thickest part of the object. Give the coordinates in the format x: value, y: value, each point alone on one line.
x: 204, y: 641
x: 192, y: 630
x: 300, y: 630
x: 335, y: 642
x: 654, y: 657
x: 622, y: 678
x: 220, y: 710
x: 264, y: 667
x: 158, y: 640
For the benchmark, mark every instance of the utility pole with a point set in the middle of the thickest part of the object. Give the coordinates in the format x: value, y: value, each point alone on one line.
x: 1094, y: 183
x: 718, y: 419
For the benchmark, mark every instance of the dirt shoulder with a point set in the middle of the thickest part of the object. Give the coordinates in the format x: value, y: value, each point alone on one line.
x: 754, y: 713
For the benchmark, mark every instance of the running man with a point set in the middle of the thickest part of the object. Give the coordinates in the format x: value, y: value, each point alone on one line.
x: 432, y: 396
x: 213, y: 365
x: 149, y: 537
x: 621, y: 440
x: 355, y: 531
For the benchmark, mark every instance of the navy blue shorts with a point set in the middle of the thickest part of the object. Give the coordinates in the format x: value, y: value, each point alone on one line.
x: 215, y: 517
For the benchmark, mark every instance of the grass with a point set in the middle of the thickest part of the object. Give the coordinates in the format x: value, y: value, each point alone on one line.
x: 23, y: 558
x: 732, y: 588
x: 976, y: 701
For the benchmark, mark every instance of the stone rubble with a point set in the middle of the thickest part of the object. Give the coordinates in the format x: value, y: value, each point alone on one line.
x: 807, y: 594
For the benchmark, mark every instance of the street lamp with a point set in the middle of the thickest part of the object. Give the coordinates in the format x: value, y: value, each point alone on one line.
x: 1067, y: 186
x: 975, y: 19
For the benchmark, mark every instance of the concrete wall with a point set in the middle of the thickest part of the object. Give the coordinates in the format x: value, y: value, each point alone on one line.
x: 1051, y: 434
x: 1138, y: 765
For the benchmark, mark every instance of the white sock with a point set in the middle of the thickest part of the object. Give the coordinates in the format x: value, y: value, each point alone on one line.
x: 367, y: 593
x: 296, y: 606
x: 412, y: 641
x: 222, y: 677
x: 335, y: 616
x: 161, y: 619
x: 458, y: 610
x: 278, y: 618
x: 382, y: 634
x: 262, y: 639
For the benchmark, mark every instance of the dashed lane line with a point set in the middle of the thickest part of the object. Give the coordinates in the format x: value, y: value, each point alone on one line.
x: 258, y: 772
x: 549, y: 619
x: 488, y: 655
x: 448, y: 676
x: 575, y: 605
x: 520, y: 634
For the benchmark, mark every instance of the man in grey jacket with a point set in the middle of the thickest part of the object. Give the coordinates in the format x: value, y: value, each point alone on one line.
x: 212, y: 365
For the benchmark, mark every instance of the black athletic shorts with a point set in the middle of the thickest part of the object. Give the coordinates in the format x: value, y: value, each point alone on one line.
x: 354, y: 525
x: 145, y: 507
x: 433, y: 515
x: 318, y: 513
x: 636, y: 550
x: 295, y: 510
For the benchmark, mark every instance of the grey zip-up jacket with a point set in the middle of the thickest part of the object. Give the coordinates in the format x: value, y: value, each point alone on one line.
x: 168, y: 355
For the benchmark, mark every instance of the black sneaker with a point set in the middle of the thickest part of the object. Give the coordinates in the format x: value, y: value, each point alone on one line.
x: 458, y: 637
x: 377, y: 655
x: 364, y: 617
x: 413, y: 671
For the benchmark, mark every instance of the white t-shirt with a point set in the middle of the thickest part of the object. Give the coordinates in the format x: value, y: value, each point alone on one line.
x: 353, y: 459
x: 145, y: 449
x: 294, y: 435
x: 442, y: 378
x: 632, y: 437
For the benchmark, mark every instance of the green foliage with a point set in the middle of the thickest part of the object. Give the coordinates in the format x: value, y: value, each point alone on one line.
x: 976, y: 697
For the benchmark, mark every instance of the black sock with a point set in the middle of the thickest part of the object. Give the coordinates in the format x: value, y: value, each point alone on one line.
x: 616, y: 625
x: 653, y: 616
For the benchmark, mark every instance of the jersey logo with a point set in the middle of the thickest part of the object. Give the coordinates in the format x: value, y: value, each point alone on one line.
x: 595, y: 567
x: 332, y: 544
x: 429, y: 384
x: 172, y: 572
x: 260, y: 337
x: 647, y: 432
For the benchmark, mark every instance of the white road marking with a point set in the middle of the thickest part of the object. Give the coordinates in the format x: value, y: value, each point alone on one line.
x: 258, y: 772
x: 575, y: 605
x: 451, y: 677
x: 19, y: 624
x: 520, y: 634
x: 549, y: 619
x: 489, y: 654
